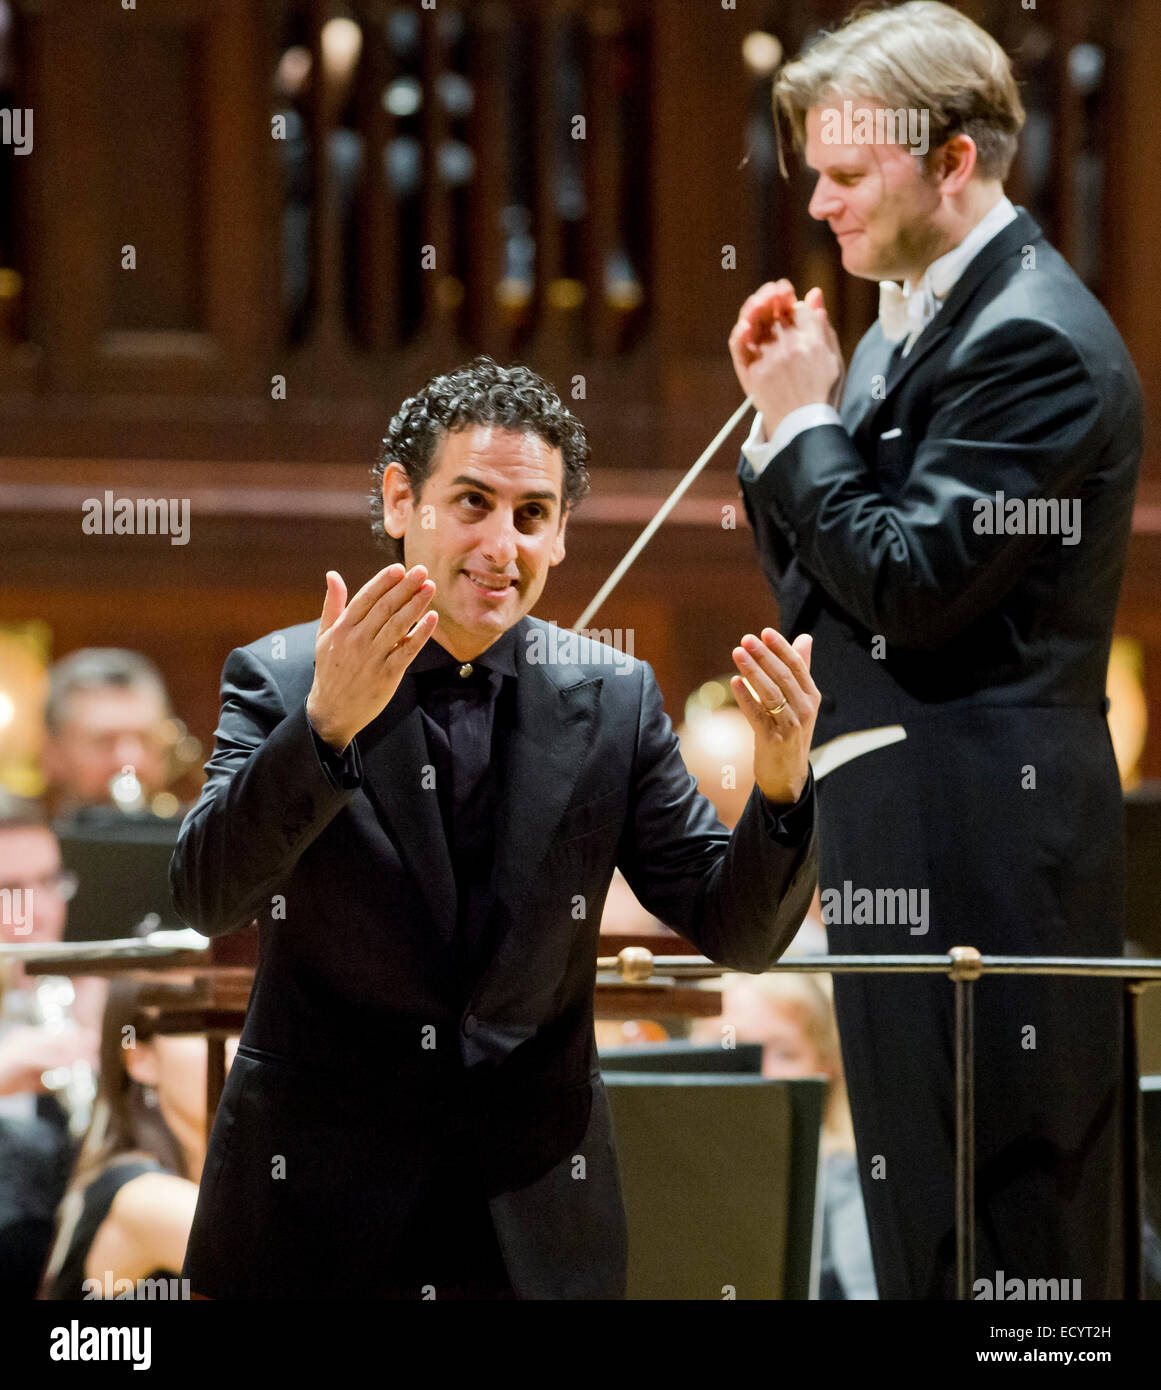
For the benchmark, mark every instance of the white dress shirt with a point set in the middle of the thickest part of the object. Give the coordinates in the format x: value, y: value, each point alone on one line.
x: 935, y: 285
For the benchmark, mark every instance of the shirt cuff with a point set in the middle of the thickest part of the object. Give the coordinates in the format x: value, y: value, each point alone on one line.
x: 344, y: 771
x: 758, y: 453
x: 790, y: 825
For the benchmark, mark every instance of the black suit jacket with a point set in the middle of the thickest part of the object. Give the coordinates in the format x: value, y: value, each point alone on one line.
x: 361, y: 1061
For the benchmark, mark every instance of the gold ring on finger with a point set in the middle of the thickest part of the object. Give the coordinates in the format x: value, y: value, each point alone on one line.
x: 777, y: 708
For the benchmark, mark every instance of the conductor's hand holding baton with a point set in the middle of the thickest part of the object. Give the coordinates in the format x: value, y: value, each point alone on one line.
x: 786, y: 353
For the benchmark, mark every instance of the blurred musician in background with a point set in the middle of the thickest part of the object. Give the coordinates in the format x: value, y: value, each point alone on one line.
x: 111, y: 753
x: 48, y: 1032
x: 107, y: 710
x: 130, y: 1201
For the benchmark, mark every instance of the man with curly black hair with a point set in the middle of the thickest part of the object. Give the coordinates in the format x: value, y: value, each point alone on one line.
x: 426, y: 832
x: 481, y: 393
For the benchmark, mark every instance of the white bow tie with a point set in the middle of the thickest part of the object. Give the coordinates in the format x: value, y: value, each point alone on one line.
x: 904, y: 312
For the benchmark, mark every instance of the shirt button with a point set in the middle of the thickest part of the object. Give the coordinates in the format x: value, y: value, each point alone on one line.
x: 471, y: 1023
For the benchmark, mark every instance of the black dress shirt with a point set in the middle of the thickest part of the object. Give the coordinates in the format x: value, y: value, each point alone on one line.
x: 469, y: 710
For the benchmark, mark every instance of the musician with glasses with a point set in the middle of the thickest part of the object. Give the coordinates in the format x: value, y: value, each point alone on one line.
x: 107, y: 710
x: 37, y: 1045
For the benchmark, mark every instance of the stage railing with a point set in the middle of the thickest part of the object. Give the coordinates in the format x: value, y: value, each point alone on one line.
x: 964, y: 966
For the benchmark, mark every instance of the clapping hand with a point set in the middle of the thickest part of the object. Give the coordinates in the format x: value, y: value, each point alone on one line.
x: 786, y: 353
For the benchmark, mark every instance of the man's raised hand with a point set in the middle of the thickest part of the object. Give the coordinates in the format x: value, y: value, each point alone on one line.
x: 364, y: 647
x: 781, y: 710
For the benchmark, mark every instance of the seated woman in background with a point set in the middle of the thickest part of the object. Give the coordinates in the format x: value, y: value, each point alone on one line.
x: 127, y: 1212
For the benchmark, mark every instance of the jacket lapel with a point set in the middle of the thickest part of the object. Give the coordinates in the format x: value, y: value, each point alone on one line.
x: 556, y: 721
x: 871, y: 368
x: 394, y: 753
x: 556, y: 710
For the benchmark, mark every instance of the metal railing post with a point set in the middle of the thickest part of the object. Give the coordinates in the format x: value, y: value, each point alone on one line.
x: 965, y: 970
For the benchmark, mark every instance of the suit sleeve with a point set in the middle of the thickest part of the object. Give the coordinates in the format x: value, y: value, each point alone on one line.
x: 268, y: 795
x: 738, y: 897
x: 1020, y: 414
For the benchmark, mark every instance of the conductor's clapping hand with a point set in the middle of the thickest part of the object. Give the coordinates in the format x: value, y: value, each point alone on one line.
x: 364, y: 647
x: 780, y: 700
x: 786, y: 353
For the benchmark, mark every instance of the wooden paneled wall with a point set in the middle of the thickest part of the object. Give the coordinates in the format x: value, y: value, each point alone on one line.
x: 602, y: 262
